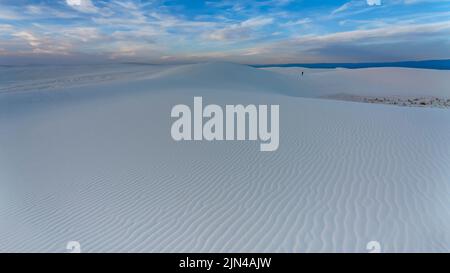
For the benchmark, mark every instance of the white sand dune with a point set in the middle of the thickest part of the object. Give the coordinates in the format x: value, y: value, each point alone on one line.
x: 33, y: 78
x: 387, y: 81
x: 227, y: 76
x: 97, y: 164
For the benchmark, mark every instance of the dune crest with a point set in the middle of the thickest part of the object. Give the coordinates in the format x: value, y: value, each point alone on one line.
x: 227, y: 76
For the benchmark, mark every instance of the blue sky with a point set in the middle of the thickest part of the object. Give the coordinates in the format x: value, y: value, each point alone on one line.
x: 264, y: 31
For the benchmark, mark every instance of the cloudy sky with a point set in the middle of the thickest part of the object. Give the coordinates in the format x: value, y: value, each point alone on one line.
x: 246, y: 31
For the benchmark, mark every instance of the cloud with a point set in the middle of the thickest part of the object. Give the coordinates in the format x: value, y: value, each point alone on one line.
x: 85, y: 6
x: 257, y: 22
x: 382, y: 32
x: 355, y: 7
x: 41, y: 11
x: 240, y: 31
x: 29, y: 37
x: 42, y: 44
x: 5, y: 28
x: 298, y: 22
x: 342, y: 8
x: 84, y: 34
x: 9, y: 14
x: 244, y: 31
x: 373, y: 2
x: 362, y: 45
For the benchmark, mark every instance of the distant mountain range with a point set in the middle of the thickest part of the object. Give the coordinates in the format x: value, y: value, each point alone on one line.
x: 429, y: 64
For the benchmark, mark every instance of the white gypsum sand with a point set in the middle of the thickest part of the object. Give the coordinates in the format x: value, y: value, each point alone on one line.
x: 400, y: 86
x: 96, y: 164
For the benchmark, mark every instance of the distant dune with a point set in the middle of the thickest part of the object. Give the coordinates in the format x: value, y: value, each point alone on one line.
x: 406, y: 82
x: 227, y: 77
x: 93, y: 161
x: 369, y: 82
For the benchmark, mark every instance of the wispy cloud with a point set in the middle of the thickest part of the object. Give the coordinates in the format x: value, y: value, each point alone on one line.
x: 244, y: 31
x: 82, y: 5
x: 342, y: 8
